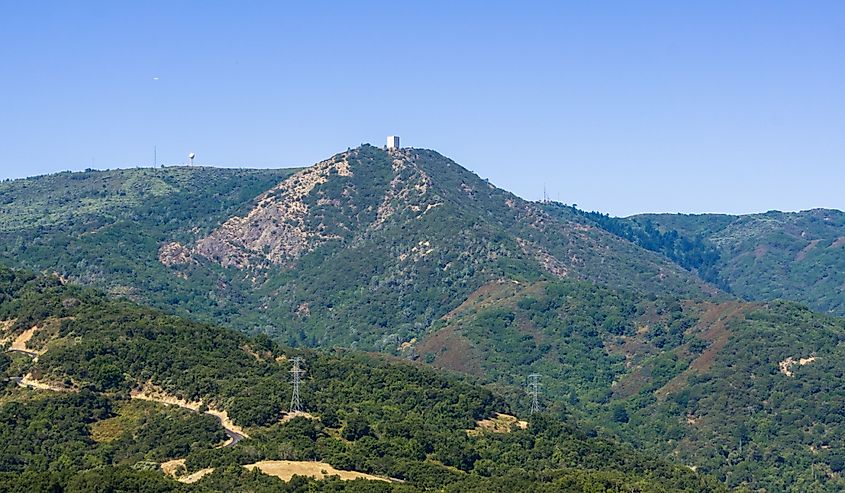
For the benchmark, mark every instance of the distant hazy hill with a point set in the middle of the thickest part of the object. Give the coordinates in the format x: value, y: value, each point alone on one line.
x: 791, y: 255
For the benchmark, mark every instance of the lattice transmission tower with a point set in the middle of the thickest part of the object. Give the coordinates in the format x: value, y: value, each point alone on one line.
x: 534, y: 391
x: 297, y: 372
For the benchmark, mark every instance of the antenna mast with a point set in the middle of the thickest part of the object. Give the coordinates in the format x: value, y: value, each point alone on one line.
x: 297, y: 372
x: 534, y: 391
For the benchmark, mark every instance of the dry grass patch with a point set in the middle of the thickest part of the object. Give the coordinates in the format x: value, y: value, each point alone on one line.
x: 298, y: 414
x: 174, y: 468
x: 499, y: 423
x: 195, y: 476
x: 287, y: 469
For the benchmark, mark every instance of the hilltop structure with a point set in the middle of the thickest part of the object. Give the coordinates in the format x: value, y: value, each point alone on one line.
x: 393, y: 142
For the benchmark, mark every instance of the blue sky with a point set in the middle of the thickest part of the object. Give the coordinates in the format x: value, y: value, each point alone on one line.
x: 621, y: 107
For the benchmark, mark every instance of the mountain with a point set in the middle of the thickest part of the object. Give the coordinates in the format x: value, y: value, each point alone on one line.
x: 84, y: 394
x: 796, y: 256
x: 749, y: 392
x: 105, y: 228
x: 365, y: 249
x: 639, y: 326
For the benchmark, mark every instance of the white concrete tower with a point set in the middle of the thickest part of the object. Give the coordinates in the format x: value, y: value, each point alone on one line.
x: 393, y: 142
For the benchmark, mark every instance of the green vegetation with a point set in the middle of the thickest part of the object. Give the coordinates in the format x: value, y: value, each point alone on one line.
x: 421, y: 236
x: 386, y: 418
x: 419, y: 258
x: 798, y: 256
x: 105, y: 228
x: 690, y: 252
x: 704, y: 382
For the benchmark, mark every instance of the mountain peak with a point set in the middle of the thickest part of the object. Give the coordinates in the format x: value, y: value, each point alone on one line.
x: 330, y: 201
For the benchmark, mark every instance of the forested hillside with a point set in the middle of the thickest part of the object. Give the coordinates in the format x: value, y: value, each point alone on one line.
x: 109, y: 228
x: 637, y: 326
x: 798, y: 256
x: 71, y: 418
x: 749, y: 392
x: 322, y: 258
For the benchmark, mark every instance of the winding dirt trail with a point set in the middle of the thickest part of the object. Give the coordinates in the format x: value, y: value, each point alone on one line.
x: 154, y: 394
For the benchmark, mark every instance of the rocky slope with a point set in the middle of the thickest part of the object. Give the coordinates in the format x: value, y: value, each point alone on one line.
x: 337, y: 247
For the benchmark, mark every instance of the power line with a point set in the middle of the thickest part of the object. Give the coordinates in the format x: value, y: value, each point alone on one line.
x: 534, y: 391
x: 297, y: 372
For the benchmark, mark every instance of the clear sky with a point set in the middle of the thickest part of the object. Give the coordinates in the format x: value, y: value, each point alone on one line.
x: 621, y: 107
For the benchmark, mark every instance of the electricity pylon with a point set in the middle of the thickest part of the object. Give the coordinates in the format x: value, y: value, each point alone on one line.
x: 297, y: 372
x: 534, y: 392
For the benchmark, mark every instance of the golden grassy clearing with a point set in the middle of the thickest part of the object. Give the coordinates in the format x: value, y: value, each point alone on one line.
x: 196, y: 476
x: 286, y: 469
x: 499, y: 423
x: 282, y: 469
x: 173, y: 468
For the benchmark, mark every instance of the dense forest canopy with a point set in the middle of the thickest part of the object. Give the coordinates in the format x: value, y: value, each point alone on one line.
x: 387, y: 418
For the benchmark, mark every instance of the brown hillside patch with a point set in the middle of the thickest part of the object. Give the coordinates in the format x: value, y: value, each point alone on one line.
x: 714, y: 321
x: 452, y: 351
x: 487, y: 294
x: 633, y: 382
x: 635, y: 349
x: 760, y: 251
x: 804, y: 251
x: 838, y: 243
